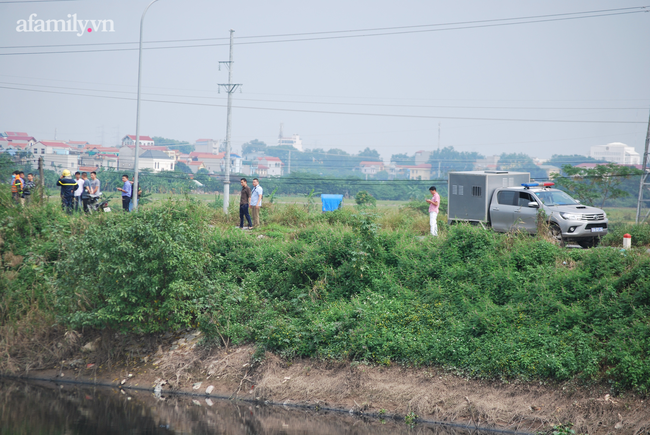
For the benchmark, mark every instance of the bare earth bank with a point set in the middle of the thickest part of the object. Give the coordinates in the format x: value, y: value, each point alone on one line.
x: 176, y: 363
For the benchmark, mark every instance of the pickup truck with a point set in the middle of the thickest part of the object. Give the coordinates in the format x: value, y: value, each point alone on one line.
x: 493, y: 199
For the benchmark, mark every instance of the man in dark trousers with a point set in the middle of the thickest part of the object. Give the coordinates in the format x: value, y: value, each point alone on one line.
x: 244, y: 200
x: 68, y: 186
x: 126, y: 190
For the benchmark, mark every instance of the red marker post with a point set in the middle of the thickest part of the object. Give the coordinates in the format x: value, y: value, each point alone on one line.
x: 627, y: 241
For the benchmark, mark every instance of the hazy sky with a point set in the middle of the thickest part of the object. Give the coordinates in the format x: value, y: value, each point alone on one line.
x: 552, y: 68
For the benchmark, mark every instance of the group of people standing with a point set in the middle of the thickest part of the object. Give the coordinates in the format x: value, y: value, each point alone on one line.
x: 22, y: 187
x: 79, y: 192
x: 250, y: 200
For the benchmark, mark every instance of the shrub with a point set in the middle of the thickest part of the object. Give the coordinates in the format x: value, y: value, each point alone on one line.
x: 640, y: 234
x: 364, y: 199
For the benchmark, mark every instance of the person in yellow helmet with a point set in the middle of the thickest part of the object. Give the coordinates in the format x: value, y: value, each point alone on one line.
x: 68, y: 186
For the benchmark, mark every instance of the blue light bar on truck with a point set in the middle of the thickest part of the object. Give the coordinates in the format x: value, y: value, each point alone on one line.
x: 527, y: 185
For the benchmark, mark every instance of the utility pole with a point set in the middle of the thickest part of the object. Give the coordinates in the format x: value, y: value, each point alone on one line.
x: 230, y: 88
x: 41, y: 176
x: 645, y: 182
x: 438, y: 150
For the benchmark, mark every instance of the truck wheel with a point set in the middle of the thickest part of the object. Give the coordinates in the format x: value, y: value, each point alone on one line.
x: 556, y: 234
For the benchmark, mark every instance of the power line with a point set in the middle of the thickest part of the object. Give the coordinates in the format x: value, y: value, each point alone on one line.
x: 559, y: 17
x: 417, y: 106
x: 325, y: 112
x: 282, y: 35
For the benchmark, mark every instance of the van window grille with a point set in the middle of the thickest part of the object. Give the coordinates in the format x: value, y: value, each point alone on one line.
x: 454, y: 189
x: 476, y: 191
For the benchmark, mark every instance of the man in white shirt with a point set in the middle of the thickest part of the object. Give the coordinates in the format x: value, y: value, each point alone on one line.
x: 256, y: 202
x: 79, y: 191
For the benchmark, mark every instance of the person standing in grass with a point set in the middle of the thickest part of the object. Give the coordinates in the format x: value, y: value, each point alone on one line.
x: 256, y: 202
x: 244, y: 200
x: 68, y: 186
x: 85, y: 195
x: 434, y: 206
x: 29, y: 188
x: 94, y: 186
x: 126, y: 190
x: 16, y: 187
x: 79, y: 191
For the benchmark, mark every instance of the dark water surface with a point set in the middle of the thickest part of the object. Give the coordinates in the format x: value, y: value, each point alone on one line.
x: 40, y: 408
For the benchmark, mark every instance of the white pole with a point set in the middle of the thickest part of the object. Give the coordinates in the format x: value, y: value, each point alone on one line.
x: 134, y: 192
x: 226, y: 181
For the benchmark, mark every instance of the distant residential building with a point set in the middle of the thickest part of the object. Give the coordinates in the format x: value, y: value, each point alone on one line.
x: 273, y: 166
x: 209, y: 146
x: 616, y: 152
x: 129, y: 140
x: 417, y: 172
x: 293, y: 141
x: 253, y: 156
x: 371, y: 168
x: 212, y: 162
x: 196, y: 166
x: 156, y: 160
x: 421, y: 157
x: 149, y: 158
x: 52, y: 147
x: 59, y: 162
x: 77, y: 143
x: 19, y: 136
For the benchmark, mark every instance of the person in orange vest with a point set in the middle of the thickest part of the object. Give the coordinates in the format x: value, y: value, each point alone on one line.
x: 17, y: 185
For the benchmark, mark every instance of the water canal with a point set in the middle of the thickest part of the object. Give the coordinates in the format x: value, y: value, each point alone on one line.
x: 44, y: 408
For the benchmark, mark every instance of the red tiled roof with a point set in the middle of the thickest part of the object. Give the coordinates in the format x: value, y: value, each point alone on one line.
x: 270, y: 159
x: 55, y: 144
x: 195, y: 163
x: 25, y: 138
x: 203, y: 140
x: 154, y: 148
x: 142, y: 138
x: 262, y: 167
x: 19, y: 144
x: 15, y: 133
x: 87, y: 168
x: 371, y: 163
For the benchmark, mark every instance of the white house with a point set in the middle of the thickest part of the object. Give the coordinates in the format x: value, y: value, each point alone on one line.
x: 156, y: 160
x: 616, y: 152
x: 209, y: 146
x: 129, y: 140
x: 149, y: 159
x: 371, y: 168
x: 59, y: 162
x: 293, y: 141
x: 272, y: 165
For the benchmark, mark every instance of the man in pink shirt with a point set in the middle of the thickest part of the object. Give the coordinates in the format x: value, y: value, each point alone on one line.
x: 434, y: 206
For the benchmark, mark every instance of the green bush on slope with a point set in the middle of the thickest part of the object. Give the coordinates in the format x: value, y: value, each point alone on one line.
x: 338, y: 286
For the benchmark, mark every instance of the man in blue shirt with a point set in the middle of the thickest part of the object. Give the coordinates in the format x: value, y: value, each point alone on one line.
x: 256, y: 202
x: 126, y: 190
